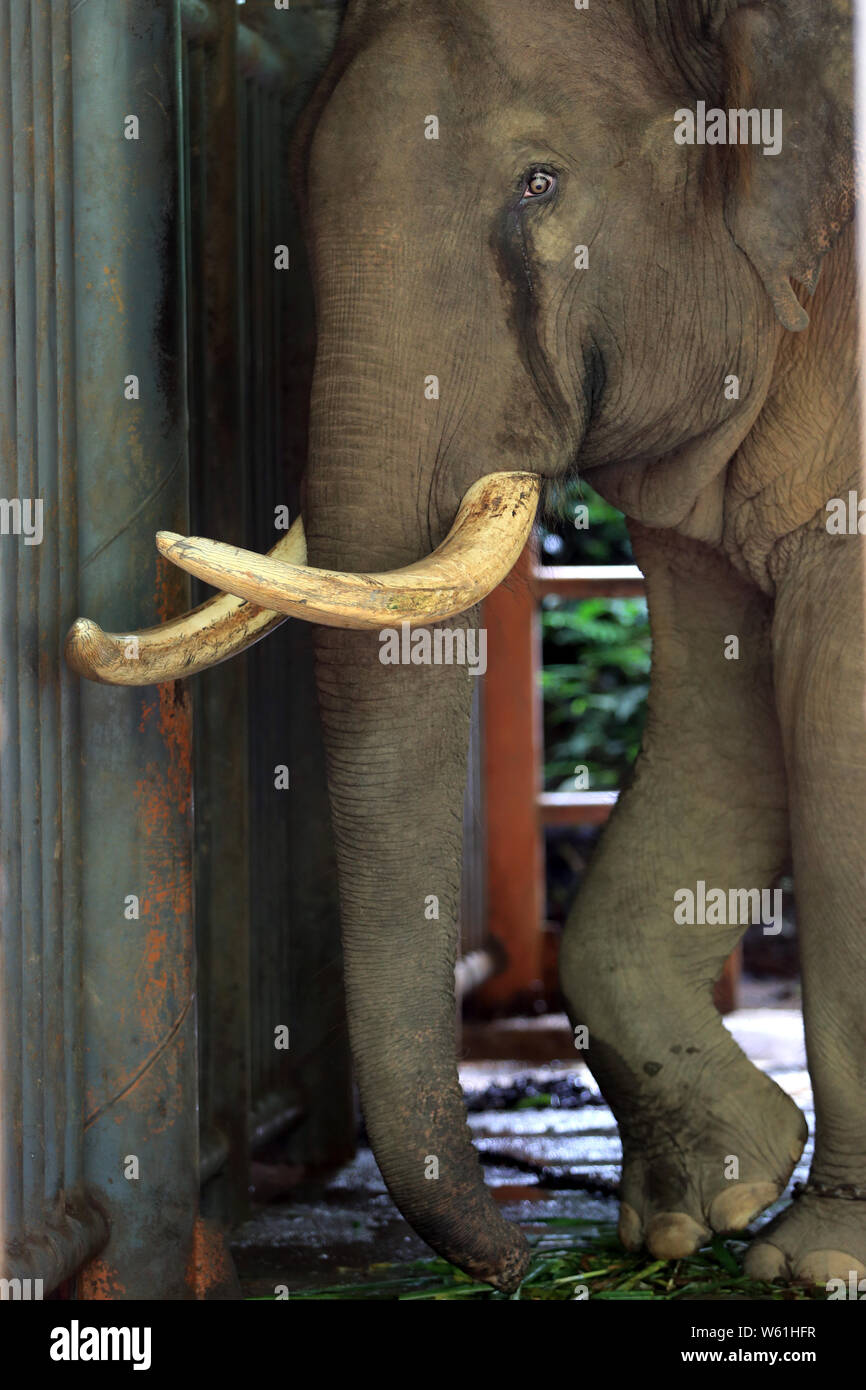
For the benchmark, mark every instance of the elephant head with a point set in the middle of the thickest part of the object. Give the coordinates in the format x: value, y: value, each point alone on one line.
x: 519, y: 269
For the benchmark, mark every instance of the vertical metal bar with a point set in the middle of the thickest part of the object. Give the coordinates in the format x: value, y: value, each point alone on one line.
x: 512, y: 758
x: 10, y: 805
x: 67, y: 569
x: 141, y: 1143
x: 219, y: 489
x: 32, y: 1131
x: 276, y: 942
x: 301, y: 930
x: 270, y: 190
x: 48, y: 600
x: 473, y: 911
x: 261, y: 980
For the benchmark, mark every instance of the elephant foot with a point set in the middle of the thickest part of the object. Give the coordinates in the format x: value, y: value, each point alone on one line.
x: 709, y: 1163
x: 816, y: 1239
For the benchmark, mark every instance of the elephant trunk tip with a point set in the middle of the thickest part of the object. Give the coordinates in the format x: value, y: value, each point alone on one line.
x: 495, y: 1253
x: 510, y: 1273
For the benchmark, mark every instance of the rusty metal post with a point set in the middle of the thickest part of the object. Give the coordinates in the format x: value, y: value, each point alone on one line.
x: 141, y: 1142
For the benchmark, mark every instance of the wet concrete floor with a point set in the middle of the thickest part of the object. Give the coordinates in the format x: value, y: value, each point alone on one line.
x: 343, y: 1229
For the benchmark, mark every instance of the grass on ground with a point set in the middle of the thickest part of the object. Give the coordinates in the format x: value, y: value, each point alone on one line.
x: 576, y: 1259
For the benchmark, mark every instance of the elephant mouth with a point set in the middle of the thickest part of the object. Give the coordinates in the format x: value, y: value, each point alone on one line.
x: 258, y: 592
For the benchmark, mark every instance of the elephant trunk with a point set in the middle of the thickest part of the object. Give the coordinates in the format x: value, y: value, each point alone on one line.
x: 396, y: 739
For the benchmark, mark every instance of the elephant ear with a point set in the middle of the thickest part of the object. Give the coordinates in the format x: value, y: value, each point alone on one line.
x: 786, y: 210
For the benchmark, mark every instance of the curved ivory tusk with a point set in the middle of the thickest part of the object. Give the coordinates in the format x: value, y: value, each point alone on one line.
x: 216, y: 630
x: 489, y: 532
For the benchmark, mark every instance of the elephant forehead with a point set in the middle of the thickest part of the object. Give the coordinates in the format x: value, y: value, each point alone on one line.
x: 481, y: 58
x: 443, y: 101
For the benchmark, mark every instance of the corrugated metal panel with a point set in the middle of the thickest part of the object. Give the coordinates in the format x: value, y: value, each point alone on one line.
x: 98, y: 997
x: 98, y: 1026
x: 48, y: 1224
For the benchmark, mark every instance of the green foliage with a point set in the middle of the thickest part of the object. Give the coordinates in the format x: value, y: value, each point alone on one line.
x: 592, y: 1259
x: 594, y: 683
x: 604, y: 542
x: 596, y: 653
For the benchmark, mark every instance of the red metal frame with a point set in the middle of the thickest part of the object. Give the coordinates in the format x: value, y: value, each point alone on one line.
x: 517, y: 808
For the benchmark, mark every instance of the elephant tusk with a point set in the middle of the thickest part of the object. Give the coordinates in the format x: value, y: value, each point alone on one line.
x: 261, y: 591
x: 489, y: 533
x: 214, y: 631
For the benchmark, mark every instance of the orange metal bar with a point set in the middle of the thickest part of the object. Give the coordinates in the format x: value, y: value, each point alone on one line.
x: 512, y: 761
x: 517, y: 810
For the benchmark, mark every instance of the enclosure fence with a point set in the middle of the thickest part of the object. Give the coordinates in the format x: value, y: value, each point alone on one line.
x: 150, y: 359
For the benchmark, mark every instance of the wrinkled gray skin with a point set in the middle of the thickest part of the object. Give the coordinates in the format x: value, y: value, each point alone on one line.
x: 430, y: 256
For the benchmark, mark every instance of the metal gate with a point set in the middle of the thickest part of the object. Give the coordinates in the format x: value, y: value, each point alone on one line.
x: 142, y: 182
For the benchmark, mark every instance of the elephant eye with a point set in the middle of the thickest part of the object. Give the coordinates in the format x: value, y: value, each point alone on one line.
x: 538, y: 185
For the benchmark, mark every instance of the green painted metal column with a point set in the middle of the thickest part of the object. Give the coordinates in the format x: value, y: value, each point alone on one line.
x: 48, y: 1224
x: 140, y: 1120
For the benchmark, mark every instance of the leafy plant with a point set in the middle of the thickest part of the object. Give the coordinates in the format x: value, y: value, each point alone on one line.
x: 604, y: 541
x: 586, y: 1254
x: 596, y: 654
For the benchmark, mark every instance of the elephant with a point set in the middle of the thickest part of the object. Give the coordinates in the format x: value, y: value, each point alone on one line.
x: 509, y: 201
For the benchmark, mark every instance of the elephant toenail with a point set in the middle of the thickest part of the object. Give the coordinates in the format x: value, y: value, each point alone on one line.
x: 630, y: 1229
x: 671, y: 1235
x: 820, y: 1265
x: 734, y: 1208
x: 765, y: 1263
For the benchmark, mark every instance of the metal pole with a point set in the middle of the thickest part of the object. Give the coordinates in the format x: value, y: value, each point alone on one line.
x: 141, y: 1142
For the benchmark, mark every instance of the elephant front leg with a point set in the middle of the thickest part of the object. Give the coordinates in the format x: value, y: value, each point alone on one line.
x: 708, y: 1140
x: 821, y: 684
